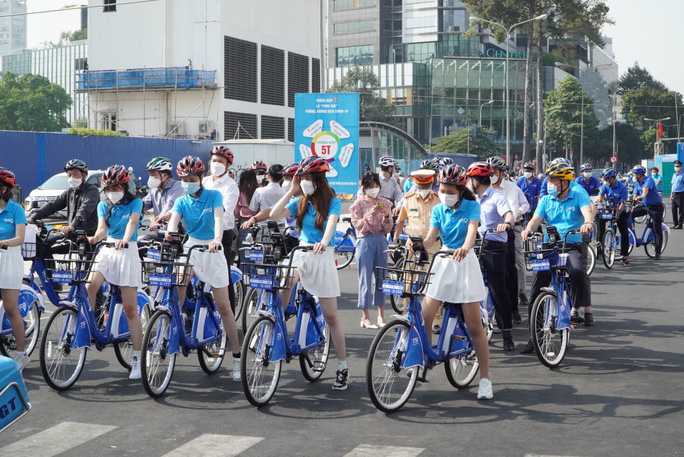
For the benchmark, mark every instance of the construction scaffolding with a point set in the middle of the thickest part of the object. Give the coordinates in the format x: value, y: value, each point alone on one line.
x: 137, y: 79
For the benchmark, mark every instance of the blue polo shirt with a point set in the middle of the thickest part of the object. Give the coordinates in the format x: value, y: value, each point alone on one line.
x: 493, y: 206
x: 119, y: 217
x: 310, y: 234
x: 678, y: 182
x: 453, y: 224
x: 566, y: 214
x: 653, y: 197
x: 531, y: 189
x: 618, y: 192
x: 543, y: 190
x: 592, y: 187
x: 11, y: 216
x: 198, y: 213
x: 656, y: 178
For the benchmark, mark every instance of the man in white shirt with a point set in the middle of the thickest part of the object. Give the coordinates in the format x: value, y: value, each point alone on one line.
x: 266, y: 197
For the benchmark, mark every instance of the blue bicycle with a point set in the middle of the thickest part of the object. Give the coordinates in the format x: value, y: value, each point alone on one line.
x: 345, y: 245
x: 166, y: 335
x: 401, y: 353
x: 267, y: 342
x: 647, y: 238
x: 73, y: 327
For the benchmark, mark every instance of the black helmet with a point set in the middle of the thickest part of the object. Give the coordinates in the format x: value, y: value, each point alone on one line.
x: 76, y: 164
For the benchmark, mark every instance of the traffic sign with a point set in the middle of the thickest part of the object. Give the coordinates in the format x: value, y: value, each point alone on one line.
x: 613, y: 159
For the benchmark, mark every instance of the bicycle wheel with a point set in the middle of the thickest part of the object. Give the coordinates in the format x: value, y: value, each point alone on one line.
x: 157, y: 364
x: 389, y: 383
x: 591, y: 260
x: 239, y: 289
x: 250, y: 304
x: 462, y: 369
x: 61, y: 366
x: 608, y: 248
x: 259, y: 374
x: 343, y: 259
x: 211, y: 355
x: 124, y: 349
x: 8, y: 344
x: 549, y: 343
x: 318, y: 356
x: 649, y: 247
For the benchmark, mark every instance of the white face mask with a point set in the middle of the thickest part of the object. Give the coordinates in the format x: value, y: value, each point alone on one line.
x: 153, y: 182
x: 424, y: 193
x: 587, y: 174
x: 286, y: 185
x: 528, y: 175
x: 74, y: 182
x: 373, y: 193
x: 494, y: 179
x: 115, y: 197
x: 678, y: 169
x: 307, y: 187
x: 448, y: 199
x: 217, y: 168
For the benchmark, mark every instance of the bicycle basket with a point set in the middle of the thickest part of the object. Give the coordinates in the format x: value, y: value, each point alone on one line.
x: 262, y: 272
x: 31, y: 251
x: 402, y: 282
x: 74, y: 268
x: 542, y: 256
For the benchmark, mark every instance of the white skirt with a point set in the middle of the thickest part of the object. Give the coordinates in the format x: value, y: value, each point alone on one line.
x: 317, y: 272
x: 122, y: 267
x: 457, y: 282
x: 209, y: 267
x: 11, y: 268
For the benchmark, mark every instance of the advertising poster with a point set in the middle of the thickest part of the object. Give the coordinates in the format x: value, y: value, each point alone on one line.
x: 327, y: 126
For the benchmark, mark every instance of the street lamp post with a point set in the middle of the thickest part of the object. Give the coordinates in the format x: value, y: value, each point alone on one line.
x: 508, y: 31
x: 485, y: 103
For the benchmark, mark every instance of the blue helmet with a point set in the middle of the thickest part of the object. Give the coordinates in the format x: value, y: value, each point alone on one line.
x: 609, y: 173
x: 639, y: 170
x: 585, y: 166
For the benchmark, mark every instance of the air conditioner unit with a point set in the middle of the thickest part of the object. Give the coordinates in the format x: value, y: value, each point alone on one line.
x: 203, y: 128
x: 176, y: 128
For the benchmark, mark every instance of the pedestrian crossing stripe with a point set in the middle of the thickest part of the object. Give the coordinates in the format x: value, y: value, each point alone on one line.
x: 215, y: 446
x: 57, y: 439
x: 367, y: 450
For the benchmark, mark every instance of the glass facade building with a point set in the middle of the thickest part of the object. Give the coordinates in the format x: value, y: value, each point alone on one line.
x: 13, y: 33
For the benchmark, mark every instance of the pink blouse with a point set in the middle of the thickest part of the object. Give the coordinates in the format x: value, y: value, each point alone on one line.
x: 367, y: 223
x: 242, y: 210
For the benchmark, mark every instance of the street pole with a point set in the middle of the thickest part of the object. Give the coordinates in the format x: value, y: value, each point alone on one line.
x: 483, y: 104
x: 582, y: 131
x: 612, y: 115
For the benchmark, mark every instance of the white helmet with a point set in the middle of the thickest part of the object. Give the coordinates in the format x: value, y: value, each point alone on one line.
x: 387, y: 161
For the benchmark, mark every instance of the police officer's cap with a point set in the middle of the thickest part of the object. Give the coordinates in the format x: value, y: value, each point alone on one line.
x: 677, y: 162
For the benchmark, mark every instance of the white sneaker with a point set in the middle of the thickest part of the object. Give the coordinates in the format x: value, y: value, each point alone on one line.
x: 484, y: 392
x: 236, y: 370
x: 22, y: 360
x: 135, y: 369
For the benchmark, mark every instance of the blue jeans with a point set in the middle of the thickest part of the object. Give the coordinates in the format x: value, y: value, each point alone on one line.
x: 370, y: 253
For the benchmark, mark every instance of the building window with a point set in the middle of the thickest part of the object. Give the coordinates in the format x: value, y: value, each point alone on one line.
x: 315, y: 75
x: 272, y: 127
x: 297, y: 76
x: 109, y: 122
x: 240, y: 70
x: 341, y: 5
x: 353, y: 27
x: 353, y: 56
x: 239, y: 125
x: 272, y: 76
x: 109, y: 6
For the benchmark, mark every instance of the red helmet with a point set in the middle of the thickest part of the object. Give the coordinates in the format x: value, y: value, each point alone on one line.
x: 116, y: 174
x: 480, y: 169
x: 224, y: 152
x: 313, y: 164
x: 453, y: 174
x: 190, y: 165
x: 291, y: 169
x: 259, y: 165
x: 7, y: 177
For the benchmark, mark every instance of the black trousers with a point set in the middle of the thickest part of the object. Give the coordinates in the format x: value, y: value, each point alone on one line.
x: 227, y: 242
x: 677, y: 208
x: 580, y: 284
x: 656, y: 213
x: 494, y: 260
x: 512, y: 271
x: 623, y: 227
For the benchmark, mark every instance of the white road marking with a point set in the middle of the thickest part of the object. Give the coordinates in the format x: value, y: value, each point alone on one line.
x: 57, y: 439
x: 367, y: 450
x: 215, y: 446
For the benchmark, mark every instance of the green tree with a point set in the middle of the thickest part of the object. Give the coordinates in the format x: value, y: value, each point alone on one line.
x: 30, y: 102
x: 371, y: 105
x: 459, y: 142
x: 636, y: 77
x: 76, y: 35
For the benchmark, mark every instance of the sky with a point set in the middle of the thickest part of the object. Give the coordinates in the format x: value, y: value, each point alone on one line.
x: 644, y: 31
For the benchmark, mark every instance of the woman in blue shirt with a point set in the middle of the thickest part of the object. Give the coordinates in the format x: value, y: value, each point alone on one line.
x: 202, y: 213
x: 120, y: 265
x: 458, y: 279
x: 12, y: 229
x: 317, y: 213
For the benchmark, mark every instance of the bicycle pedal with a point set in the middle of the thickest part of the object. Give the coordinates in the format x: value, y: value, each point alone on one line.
x: 318, y: 367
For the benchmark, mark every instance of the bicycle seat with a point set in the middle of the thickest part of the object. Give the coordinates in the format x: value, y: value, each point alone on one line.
x: 346, y: 219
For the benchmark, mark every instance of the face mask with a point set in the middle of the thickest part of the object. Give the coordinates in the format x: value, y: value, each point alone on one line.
x: 678, y: 169
x: 114, y: 197
x: 448, y: 199
x: 494, y: 179
x: 217, y: 168
x: 307, y: 187
x: 286, y: 185
x: 153, y: 182
x: 587, y: 175
x: 424, y: 193
x: 190, y: 187
x: 74, y: 182
x: 528, y: 175
x: 653, y: 175
x: 551, y: 189
x: 373, y: 193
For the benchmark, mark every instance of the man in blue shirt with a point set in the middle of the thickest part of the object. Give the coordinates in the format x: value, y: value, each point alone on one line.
x: 677, y: 196
x: 615, y: 190
x: 655, y: 174
x: 587, y: 180
x: 645, y: 192
x: 530, y: 186
x: 566, y: 207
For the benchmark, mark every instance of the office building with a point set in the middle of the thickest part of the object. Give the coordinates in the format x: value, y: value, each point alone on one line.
x: 12, y: 26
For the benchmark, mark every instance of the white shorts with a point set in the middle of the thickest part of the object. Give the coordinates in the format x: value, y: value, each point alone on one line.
x: 209, y: 267
x: 11, y: 268
x: 457, y: 282
x: 122, y: 267
x: 318, y: 273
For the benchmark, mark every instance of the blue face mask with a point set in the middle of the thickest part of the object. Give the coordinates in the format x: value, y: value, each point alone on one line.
x: 551, y: 189
x: 190, y: 187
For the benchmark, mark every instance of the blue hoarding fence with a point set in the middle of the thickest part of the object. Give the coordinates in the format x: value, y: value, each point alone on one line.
x: 166, y: 77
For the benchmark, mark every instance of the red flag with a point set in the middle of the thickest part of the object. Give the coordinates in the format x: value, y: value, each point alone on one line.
x: 660, y: 130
